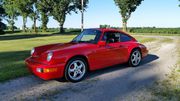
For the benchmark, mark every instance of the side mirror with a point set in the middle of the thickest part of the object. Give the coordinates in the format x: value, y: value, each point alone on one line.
x: 101, y: 43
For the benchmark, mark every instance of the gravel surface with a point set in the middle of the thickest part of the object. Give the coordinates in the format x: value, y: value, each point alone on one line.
x: 119, y: 83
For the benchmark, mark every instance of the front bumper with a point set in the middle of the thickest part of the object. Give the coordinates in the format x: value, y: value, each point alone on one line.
x: 58, y: 70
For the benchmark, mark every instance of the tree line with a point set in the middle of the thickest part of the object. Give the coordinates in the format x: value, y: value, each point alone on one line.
x: 154, y: 30
x: 38, y: 9
x: 58, y: 9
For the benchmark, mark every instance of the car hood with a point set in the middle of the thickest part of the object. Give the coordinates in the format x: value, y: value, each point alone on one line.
x: 66, y: 46
x: 60, y: 47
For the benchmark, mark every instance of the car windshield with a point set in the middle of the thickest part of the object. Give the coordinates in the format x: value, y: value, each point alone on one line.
x: 88, y: 36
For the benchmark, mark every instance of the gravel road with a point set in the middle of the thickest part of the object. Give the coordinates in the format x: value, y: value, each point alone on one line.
x: 119, y: 83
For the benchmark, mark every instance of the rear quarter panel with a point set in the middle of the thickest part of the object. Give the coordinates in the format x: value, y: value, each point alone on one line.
x: 130, y: 46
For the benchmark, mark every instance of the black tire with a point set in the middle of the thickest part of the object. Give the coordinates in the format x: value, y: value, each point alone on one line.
x: 138, y: 59
x: 67, y: 73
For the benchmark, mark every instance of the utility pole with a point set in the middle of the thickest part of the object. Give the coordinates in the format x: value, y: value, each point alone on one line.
x: 82, y: 15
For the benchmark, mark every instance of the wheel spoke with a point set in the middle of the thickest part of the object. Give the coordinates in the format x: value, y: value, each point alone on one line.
x: 133, y: 59
x: 72, y: 70
x: 75, y: 65
x: 80, y: 66
x: 136, y: 61
x: 80, y: 72
x: 74, y: 75
x: 134, y: 55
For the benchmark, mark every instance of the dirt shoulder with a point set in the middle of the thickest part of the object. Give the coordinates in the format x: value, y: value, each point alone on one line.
x: 118, y: 83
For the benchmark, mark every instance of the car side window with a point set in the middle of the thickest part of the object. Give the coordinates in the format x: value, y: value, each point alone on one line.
x: 111, y: 37
x: 125, y: 38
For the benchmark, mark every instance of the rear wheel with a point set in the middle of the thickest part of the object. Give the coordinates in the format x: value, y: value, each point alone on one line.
x: 135, y: 58
x: 76, y: 70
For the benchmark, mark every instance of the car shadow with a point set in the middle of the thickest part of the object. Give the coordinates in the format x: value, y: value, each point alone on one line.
x: 148, y: 59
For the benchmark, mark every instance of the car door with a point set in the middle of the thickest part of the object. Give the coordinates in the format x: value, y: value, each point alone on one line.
x: 117, y: 48
x: 110, y: 54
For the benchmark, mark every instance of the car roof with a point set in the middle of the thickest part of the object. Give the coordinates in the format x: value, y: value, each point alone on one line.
x: 107, y: 29
x: 113, y: 30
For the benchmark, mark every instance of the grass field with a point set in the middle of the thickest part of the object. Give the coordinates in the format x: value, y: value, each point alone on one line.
x: 15, y: 48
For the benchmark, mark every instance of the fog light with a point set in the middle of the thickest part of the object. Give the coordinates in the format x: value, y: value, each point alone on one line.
x: 40, y: 70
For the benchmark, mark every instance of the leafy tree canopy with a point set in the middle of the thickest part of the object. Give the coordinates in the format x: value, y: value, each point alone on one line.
x: 11, y: 12
x: 126, y: 8
x: 78, y: 3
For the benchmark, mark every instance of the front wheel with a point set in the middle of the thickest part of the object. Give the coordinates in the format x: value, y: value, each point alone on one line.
x: 76, y: 70
x: 135, y: 58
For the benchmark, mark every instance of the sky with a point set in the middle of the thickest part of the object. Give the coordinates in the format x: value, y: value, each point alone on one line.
x: 158, y: 13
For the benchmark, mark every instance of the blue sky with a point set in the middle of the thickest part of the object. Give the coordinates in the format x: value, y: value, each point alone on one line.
x: 159, y: 13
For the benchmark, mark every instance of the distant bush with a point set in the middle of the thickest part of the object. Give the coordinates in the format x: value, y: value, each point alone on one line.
x: 155, y: 30
x: 53, y: 30
x: 105, y: 26
x: 147, y: 29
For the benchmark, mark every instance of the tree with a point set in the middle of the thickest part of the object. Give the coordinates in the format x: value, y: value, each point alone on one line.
x: 126, y: 8
x: 81, y: 5
x: 34, y: 15
x: 11, y: 11
x: 2, y: 13
x: 60, y: 8
x: 44, y: 8
x: 24, y: 9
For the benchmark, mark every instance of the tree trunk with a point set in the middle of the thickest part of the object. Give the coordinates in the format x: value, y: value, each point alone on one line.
x: 12, y: 23
x: 82, y: 15
x: 44, y: 19
x: 35, y: 30
x: 44, y: 28
x: 12, y: 26
x: 61, y: 28
x: 125, y: 26
x: 24, y: 24
x: 62, y: 23
x: 124, y: 21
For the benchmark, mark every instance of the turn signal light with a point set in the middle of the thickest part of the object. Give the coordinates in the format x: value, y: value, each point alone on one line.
x: 47, y: 70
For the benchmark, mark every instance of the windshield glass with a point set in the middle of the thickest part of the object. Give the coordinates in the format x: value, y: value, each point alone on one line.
x: 88, y: 36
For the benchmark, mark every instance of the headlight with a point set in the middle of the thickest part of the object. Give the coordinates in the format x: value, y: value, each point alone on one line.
x: 49, y: 56
x: 32, y: 51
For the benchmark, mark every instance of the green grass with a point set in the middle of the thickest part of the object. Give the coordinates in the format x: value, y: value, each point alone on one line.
x: 15, y: 48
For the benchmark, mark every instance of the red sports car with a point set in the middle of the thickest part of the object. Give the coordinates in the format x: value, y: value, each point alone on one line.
x: 91, y: 50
